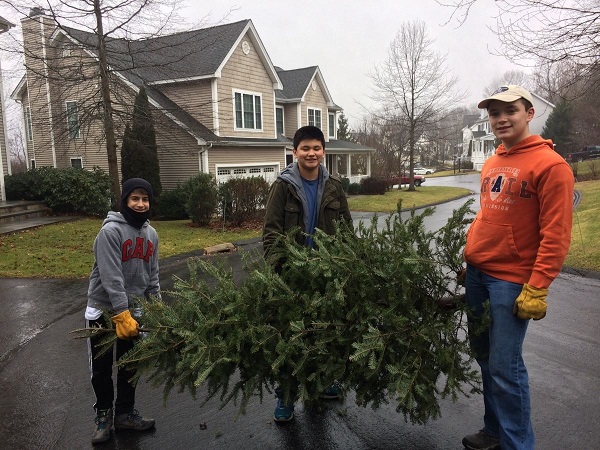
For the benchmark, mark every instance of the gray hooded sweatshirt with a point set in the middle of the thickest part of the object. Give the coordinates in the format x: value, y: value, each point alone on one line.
x: 125, y: 265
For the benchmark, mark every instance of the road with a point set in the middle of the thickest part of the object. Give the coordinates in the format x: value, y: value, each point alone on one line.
x: 47, y: 398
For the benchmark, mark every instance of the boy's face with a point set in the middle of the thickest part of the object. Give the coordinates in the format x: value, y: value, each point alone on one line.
x: 138, y: 200
x: 309, y: 153
x: 509, y: 121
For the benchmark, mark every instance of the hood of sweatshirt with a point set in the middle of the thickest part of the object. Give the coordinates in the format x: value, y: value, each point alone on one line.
x: 527, y: 144
x: 291, y: 175
x: 117, y: 217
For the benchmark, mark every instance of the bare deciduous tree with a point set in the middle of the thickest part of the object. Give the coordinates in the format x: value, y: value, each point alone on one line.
x: 414, y: 85
x: 99, y: 41
x: 545, y: 31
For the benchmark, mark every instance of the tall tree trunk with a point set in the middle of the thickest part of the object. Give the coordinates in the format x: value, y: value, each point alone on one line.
x: 109, y: 128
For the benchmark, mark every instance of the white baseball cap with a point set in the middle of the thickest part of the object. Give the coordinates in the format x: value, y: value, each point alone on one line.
x: 506, y: 94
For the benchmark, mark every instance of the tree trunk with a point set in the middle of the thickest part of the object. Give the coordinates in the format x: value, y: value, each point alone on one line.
x: 109, y: 129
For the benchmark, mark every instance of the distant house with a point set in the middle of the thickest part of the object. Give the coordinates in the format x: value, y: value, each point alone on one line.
x: 5, y: 25
x: 479, y: 141
x: 219, y: 104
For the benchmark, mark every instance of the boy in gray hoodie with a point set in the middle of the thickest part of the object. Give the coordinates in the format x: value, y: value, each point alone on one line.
x: 125, y: 267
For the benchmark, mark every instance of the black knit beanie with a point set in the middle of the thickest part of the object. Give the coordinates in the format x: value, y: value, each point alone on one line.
x: 134, y: 218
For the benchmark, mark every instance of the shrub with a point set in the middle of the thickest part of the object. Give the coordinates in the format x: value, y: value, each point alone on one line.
x: 171, y: 204
x: 200, y: 193
x: 374, y: 186
x: 345, y: 184
x: 354, y: 189
x: 243, y: 199
x: 66, y: 190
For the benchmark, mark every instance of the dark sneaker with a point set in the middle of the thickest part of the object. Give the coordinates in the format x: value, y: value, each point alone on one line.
x: 133, y: 421
x: 283, y: 412
x: 481, y: 441
x: 104, y: 423
x: 331, y: 393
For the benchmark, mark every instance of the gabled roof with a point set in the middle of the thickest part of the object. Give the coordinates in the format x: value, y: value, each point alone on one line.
x: 185, y: 56
x: 296, y: 83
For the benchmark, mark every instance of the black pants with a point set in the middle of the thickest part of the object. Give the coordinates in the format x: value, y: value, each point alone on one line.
x: 102, y: 370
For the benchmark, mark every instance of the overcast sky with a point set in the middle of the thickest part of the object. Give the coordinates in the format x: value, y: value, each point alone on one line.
x: 347, y: 38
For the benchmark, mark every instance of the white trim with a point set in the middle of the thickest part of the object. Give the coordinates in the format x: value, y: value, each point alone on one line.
x: 299, y: 113
x: 256, y: 164
x: 215, y: 105
x: 262, y: 117
x: 180, y: 80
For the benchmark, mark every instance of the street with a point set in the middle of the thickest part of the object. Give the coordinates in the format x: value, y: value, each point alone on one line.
x: 47, y: 396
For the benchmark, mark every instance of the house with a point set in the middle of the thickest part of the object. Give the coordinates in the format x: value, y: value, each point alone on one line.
x: 220, y: 106
x: 479, y: 143
x: 5, y: 25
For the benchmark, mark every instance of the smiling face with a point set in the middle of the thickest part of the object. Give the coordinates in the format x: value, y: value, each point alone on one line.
x: 138, y: 201
x: 510, y: 121
x: 309, y: 153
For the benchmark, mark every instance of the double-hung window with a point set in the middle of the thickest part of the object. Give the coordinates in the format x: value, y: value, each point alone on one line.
x: 314, y: 117
x: 248, y: 111
x: 28, y: 124
x: 331, y: 125
x: 73, y: 120
x: 279, y: 119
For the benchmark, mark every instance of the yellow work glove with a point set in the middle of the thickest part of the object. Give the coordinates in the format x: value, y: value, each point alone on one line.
x: 126, y: 326
x: 531, y: 303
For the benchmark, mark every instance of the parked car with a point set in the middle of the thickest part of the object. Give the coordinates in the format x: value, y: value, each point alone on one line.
x: 420, y: 170
x: 392, y: 181
x: 588, y: 152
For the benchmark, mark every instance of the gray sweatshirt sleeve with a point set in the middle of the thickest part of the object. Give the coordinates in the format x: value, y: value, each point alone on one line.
x: 154, y: 284
x: 108, y: 258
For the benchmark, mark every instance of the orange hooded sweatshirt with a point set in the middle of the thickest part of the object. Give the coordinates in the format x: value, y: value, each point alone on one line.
x: 523, y: 231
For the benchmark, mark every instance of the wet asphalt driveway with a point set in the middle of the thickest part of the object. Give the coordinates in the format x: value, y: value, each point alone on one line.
x: 46, y: 398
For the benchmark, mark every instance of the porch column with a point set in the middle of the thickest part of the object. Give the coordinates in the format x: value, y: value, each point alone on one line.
x: 349, y: 166
x: 368, y: 165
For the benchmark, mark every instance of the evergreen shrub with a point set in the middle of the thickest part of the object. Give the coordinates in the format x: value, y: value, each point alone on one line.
x: 374, y: 186
x: 171, y: 204
x: 201, y: 196
x: 66, y: 190
x: 354, y: 189
x: 345, y: 183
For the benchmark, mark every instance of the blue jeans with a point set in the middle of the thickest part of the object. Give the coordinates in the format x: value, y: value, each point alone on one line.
x: 499, y: 352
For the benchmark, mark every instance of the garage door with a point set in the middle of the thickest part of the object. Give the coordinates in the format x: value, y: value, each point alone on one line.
x: 269, y: 173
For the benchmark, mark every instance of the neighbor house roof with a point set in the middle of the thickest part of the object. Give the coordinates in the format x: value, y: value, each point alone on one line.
x: 5, y: 25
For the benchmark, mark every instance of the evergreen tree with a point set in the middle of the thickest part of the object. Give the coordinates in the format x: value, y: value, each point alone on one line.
x: 344, y: 133
x: 558, y: 127
x: 139, y: 158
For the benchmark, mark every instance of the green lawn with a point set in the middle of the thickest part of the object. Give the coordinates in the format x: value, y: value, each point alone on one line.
x: 585, y: 251
x: 424, y: 195
x: 65, y: 250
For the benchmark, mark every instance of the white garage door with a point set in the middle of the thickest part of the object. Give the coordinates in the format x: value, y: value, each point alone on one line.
x: 268, y: 172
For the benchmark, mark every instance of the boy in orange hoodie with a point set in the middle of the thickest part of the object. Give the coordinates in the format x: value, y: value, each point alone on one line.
x: 515, y: 248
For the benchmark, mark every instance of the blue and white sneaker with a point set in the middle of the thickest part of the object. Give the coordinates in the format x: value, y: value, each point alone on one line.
x: 283, y: 412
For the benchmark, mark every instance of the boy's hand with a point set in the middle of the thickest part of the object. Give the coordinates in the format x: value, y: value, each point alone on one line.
x: 531, y: 303
x: 126, y: 326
